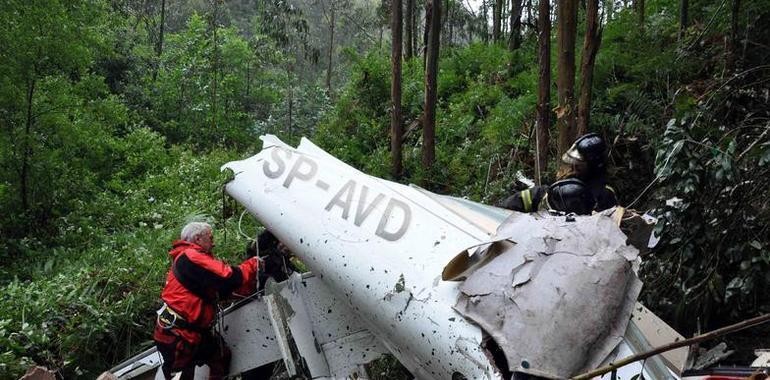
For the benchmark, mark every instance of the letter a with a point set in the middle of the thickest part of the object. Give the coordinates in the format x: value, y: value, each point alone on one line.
x: 349, y: 188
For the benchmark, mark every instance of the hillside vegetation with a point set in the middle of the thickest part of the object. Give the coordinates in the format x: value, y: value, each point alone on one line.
x: 111, y: 141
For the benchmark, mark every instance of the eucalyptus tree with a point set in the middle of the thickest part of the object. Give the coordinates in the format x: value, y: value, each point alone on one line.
x: 433, y: 7
x: 514, y: 41
x: 543, y: 88
x: 395, y: 88
x: 565, y: 37
x: 591, y: 43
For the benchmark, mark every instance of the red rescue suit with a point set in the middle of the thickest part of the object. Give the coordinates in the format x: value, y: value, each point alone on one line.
x: 194, y: 283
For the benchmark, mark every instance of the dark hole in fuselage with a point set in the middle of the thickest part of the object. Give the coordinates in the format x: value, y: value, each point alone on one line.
x: 494, y: 351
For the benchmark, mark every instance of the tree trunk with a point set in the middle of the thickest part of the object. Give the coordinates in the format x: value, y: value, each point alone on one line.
x: 497, y: 15
x: 514, y: 42
x: 639, y: 5
x: 395, y: 89
x: 159, y: 44
x: 485, y: 13
x: 543, y: 89
x: 504, y: 16
x: 27, y: 151
x: 291, y: 109
x: 215, y: 67
x: 431, y: 74
x: 426, y: 31
x: 732, y: 53
x: 449, y: 23
x: 248, y: 82
x: 530, y: 22
x: 683, y: 8
x: 415, y: 14
x: 566, y: 31
x: 290, y: 98
x: 331, y: 50
x: 409, y: 30
x: 591, y: 44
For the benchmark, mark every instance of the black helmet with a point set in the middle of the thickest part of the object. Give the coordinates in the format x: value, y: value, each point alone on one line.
x: 570, y: 195
x: 588, y: 149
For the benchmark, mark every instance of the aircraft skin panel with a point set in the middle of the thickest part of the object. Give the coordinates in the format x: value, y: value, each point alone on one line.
x: 418, y: 196
x: 249, y: 334
x: 380, y: 246
x: 567, y: 281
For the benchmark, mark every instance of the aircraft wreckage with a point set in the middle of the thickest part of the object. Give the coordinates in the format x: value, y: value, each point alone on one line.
x: 452, y: 288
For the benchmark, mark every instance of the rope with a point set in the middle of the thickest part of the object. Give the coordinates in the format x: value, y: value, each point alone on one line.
x: 247, y: 237
x: 224, y: 215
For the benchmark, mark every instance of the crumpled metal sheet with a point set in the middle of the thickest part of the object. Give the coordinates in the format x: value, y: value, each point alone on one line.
x: 559, y: 298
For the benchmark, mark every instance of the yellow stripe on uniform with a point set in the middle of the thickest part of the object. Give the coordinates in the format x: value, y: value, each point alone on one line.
x: 526, y: 197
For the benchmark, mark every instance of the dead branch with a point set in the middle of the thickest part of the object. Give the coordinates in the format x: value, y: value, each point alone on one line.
x: 671, y: 346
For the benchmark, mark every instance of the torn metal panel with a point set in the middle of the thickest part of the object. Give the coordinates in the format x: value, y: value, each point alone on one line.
x: 658, y: 333
x: 559, y: 300
x: 469, y: 260
x: 348, y: 355
x: 330, y: 338
x: 139, y: 366
x: 278, y: 318
x: 763, y: 358
x: 332, y: 318
x: 250, y: 337
x: 639, y: 229
x: 634, y: 342
x: 301, y: 327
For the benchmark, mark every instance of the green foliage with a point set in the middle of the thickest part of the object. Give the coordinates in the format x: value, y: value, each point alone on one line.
x: 57, y: 117
x: 206, y: 91
x: 69, y: 308
x: 716, y: 255
x: 106, y: 150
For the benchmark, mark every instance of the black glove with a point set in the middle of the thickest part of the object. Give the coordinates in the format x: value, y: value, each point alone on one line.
x: 251, y: 250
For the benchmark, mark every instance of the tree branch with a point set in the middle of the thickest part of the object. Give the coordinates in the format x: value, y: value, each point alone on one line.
x: 668, y: 347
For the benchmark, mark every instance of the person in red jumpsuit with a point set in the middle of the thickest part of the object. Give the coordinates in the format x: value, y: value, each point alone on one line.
x: 195, y: 283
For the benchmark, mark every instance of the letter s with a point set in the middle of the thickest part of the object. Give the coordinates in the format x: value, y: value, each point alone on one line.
x: 278, y: 161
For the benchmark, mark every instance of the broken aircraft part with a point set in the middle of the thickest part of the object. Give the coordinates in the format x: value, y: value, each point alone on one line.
x: 375, y: 241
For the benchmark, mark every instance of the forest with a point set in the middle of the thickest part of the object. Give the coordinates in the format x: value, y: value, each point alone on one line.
x: 116, y: 115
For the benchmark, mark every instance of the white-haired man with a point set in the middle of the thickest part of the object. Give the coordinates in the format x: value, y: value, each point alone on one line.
x: 194, y: 284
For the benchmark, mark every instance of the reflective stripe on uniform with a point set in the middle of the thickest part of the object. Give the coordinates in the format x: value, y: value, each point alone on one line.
x: 544, y: 205
x: 526, y: 197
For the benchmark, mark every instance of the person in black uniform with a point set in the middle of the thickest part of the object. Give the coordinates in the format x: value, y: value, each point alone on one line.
x: 582, y: 186
x: 569, y: 195
x: 586, y: 160
x: 278, y: 259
